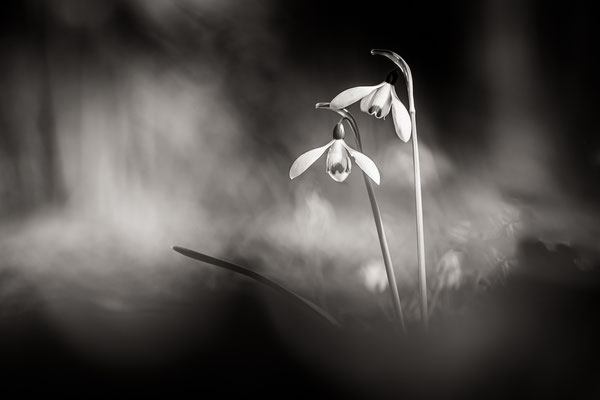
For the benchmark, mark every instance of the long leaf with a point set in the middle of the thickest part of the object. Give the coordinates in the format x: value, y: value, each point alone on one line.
x: 259, y: 278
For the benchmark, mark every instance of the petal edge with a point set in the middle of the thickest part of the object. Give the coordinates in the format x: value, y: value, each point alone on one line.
x: 352, y: 95
x: 307, y: 159
x: 365, y: 163
x: 402, y: 123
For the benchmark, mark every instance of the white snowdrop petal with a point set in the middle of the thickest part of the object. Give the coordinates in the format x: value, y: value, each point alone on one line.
x: 307, y: 159
x: 352, y: 95
x: 365, y: 163
x: 338, y: 164
x: 365, y: 103
x: 401, y: 118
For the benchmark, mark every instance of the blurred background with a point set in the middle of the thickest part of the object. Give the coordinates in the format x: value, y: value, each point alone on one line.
x: 130, y: 126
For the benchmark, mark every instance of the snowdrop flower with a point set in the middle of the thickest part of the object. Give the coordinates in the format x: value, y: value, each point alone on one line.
x: 338, y: 159
x: 378, y: 100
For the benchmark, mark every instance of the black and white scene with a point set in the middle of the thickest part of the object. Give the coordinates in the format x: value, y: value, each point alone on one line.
x: 300, y: 199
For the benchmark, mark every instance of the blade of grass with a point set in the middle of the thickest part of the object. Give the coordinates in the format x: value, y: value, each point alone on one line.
x: 258, y: 278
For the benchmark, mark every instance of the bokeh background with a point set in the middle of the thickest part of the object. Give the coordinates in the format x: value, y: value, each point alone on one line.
x: 127, y: 127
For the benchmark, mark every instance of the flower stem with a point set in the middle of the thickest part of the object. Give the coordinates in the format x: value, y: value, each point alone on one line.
x: 387, y: 259
x: 417, y: 171
x: 420, y: 234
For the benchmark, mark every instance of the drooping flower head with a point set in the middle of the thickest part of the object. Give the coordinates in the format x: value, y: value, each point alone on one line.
x: 378, y: 100
x: 338, y: 164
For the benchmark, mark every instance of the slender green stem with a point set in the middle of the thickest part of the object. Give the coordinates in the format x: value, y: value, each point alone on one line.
x: 387, y: 259
x: 417, y: 170
x: 420, y: 234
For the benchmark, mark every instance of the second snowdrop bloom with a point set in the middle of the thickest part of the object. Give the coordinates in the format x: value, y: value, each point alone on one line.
x: 378, y: 100
x: 338, y: 161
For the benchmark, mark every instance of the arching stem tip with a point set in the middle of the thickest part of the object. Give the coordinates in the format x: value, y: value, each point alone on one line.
x: 386, y: 53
